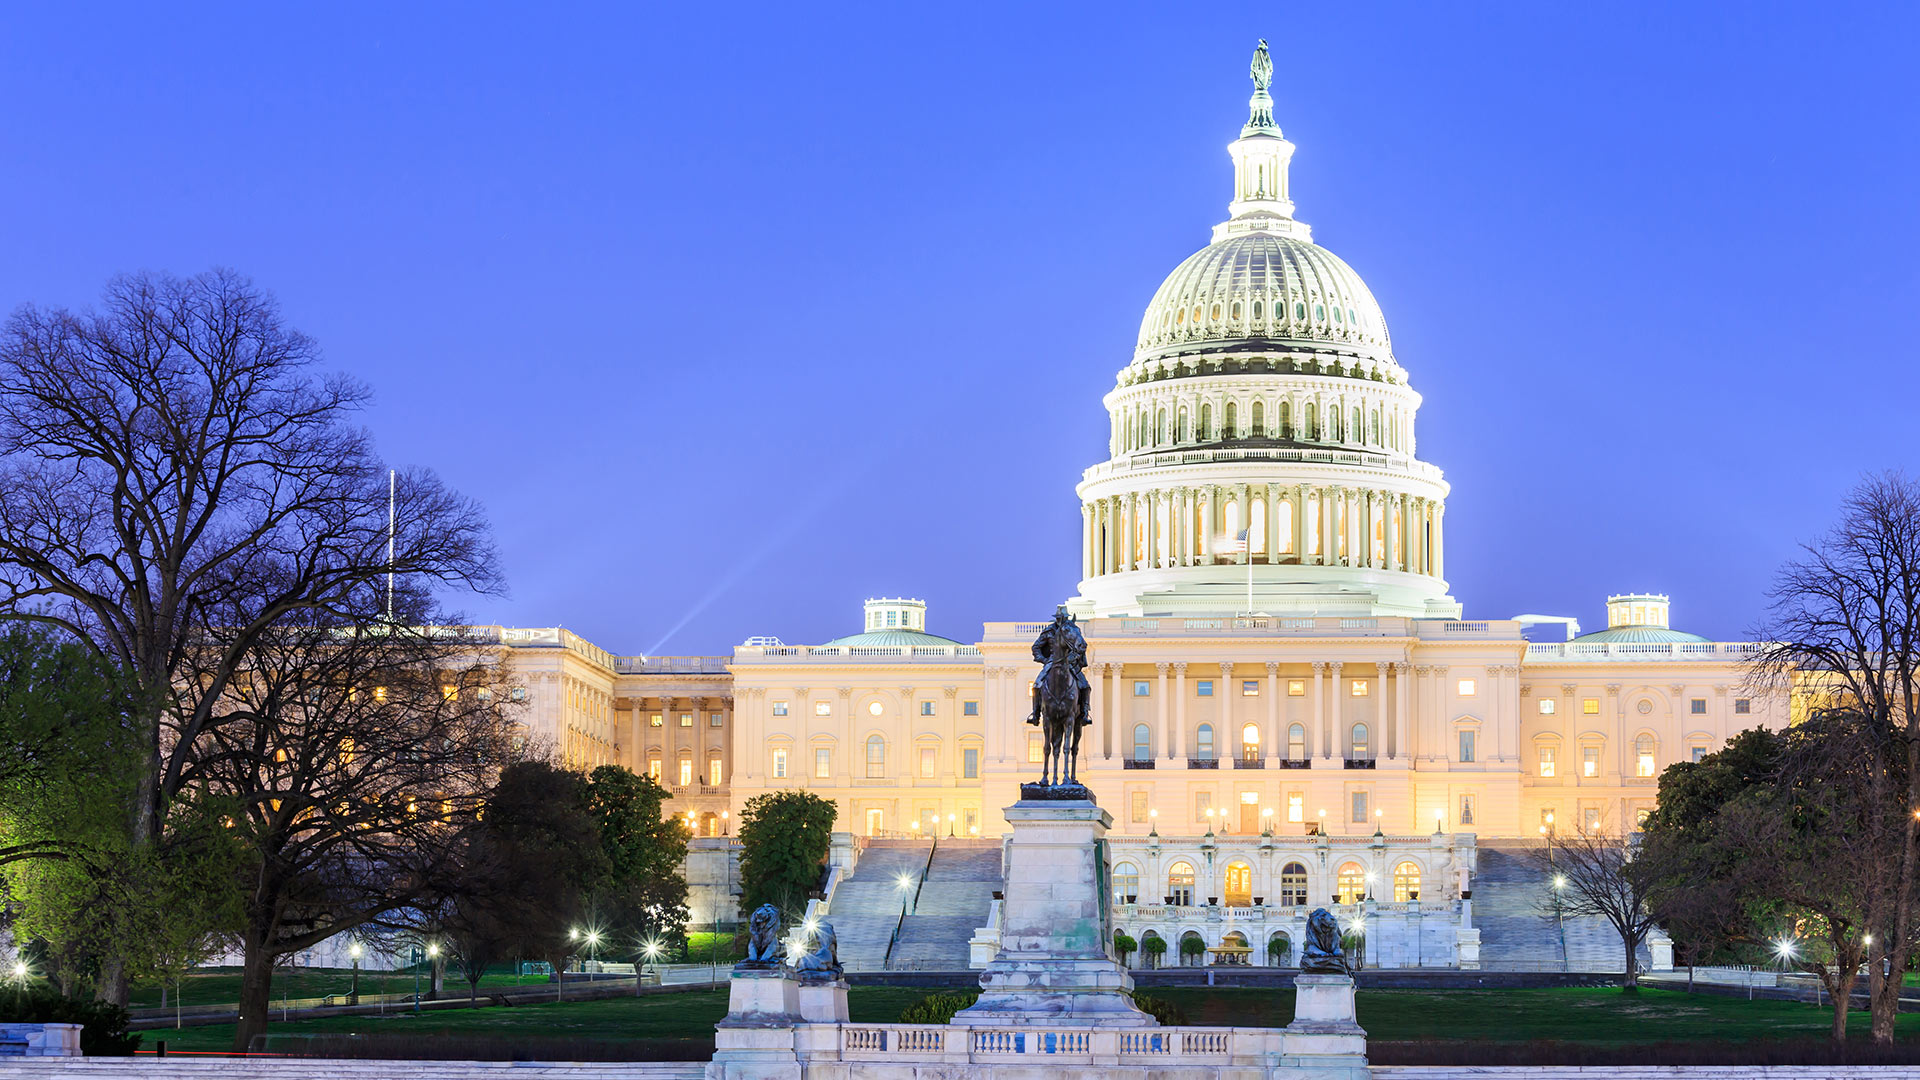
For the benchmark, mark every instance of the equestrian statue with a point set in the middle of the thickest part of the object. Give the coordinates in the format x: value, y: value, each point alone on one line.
x: 1061, y: 696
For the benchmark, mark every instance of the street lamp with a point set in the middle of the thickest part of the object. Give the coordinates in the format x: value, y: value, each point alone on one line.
x: 353, y: 994
x: 1322, y: 826
x: 950, y: 819
x: 1439, y: 819
x: 1153, y: 823
x: 652, y: 951
x: 1266, y: 821
x: 1379, y: 819
x: 1209, y: 821
x: 723, y: 824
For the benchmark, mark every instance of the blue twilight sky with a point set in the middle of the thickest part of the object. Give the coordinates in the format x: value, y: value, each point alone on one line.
x: 735, y: 315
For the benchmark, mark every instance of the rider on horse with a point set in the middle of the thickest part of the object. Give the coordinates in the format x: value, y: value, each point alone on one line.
x: 1063, y: 632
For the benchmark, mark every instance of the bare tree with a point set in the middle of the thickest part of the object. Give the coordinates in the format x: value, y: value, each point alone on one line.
x: 1843, y: 633
x: 358, y: 750
x: 1597, y: 874
x: 174, y: 455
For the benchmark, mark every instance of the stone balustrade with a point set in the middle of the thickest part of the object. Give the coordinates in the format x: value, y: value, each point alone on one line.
x: 1041, y: 1044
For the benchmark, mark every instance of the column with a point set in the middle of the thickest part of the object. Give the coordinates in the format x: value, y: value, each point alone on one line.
x: 1273, y: 524
x: 1273, y: 710
x: 1406, y: 532
x: 1114, y: 679
x: 847, y: 770
x: 1390, y: 530
x: 1439, y: 542
x: 990, y: 724
x: 1180, y: 708
x: 1316, y: 731
x: 1244, y: 494
x: 1299, y: 498
x: 1166, y: 714
x: 1206, y: 508
x: 1186, y: 527
x: 1402, y: 749
x: 1383, y: 716
x: 1097, y: 710
x: 1337, y: 736
x: 1087, y: 528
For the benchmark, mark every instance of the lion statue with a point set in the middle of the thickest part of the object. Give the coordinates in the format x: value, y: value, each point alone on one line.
x: 763, y: 940
x: 823, y: 963
x: 1322, y: 954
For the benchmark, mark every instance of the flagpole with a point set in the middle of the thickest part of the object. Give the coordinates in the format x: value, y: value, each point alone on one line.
x: 390, y: 490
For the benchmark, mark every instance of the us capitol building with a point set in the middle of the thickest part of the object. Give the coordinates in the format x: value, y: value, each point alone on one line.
x: 1289, y: 705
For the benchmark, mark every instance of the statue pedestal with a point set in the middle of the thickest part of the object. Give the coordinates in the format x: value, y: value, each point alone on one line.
x: 1053, y: 965
x: 1325, y: 1037
x: 823, y: 1001
x: 762, y: 998
x: 756, y: 1039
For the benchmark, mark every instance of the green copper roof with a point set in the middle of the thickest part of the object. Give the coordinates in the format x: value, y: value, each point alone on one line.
x: 898, y: 638
x: 1639, y: 635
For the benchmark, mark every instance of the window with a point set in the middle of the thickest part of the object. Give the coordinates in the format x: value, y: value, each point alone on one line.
x: 969, y: 708
x: 822, y: 708
x: 1546, y: 761
x: 1142, y: 688
x: 780, y: 764
x: 653, y: 769
x: 1293, y: 885
x: 1036, y: 749
x: 1697, y: 706
x: 713, y: 771
x: 518, y: 693
x: 1350, y: 885
x: 654, y: 720
x: 876, y: 757
x: 1250, y: 742
x: 927, y: 754
x: 822, y: 763
x: 1126, y: 882
x: 876, y: 821
x: 686, y: 719
x: 1296, y: 688
x: 1250, y: 688
x: 1742, y: 706
x: 1465, y: 688
x: 1406, y: 882
x: 1589, y: 761
x: 1359, y: 743
x: 1546, y: 706
x: 1203, y: 688
x: 970, y: 763
x: 1237, y: 889
x: 1137, y: 807
x: 1205, y: 738
x: 1359, y: 816
x: 1466, y: 746
x: 1296, y: 743
x: 1590, y: 706
x: 1296, y: 806
x: 1180, y: 883
x: 1643, y: 755
x: 1359, y: 688
x: 926, y: 708
x: 1699, y: 752
x: 1590, y: 819
x: 1142, y: 742
x: 1202, y: 806
x: 1466, y: 809
x: 714, y: 719
x: 686, y: 771
x: 779, y: 709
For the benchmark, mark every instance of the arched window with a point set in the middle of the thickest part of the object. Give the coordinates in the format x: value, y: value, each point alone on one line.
x: 1146, y: 957
x: 1206, y: 421
x: 1279, y: 949
x: 1142, y: 742
x: 709, y: 824
x: 1296, y: 743
x: 1259, y: 420
x: 1359, y: 741
x: 1180, y: 427
x: 1250, y: 742
x: 1300, y: 312
x: 1230, y: 427
x: 1205, y: 737
x: 1126, y: 883
x: 1286, y: 420
x: 1160, y: 428
x: 1231, y: 521
x: 1239, y: 885
x: 1379, y: 536
x: 1356, y: 432
x: 1293, y: 885
x: 1180, y: 883
x: 1373, y: 427
x: 1306, y: 421
x: 1193, y: 949
x: 1283, y: 543
x: 1406, y: 882
x: 1257, y: 526
x: 876, y: 757
x: 1643, y: 755
x: 1256, y: 309
x: 1350, y: 885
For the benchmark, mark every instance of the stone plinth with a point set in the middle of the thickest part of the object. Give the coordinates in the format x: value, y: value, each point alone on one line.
x: 1053, y: 964
x: 1325, y: 1037
x: 762, y: 998
x: 756, y: 1039
x: 823, y: 1001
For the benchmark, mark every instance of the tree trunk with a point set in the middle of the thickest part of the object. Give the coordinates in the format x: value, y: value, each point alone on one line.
x: 1632, y: 980
x: 111, y: 986
x: 1842, y: 987
x: 256, y: 990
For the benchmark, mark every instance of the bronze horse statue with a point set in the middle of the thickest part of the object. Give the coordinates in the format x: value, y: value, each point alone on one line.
x: 1060, y: 698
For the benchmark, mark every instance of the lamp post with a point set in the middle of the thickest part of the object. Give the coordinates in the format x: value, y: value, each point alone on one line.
x: 1322, y: 826
x: 1266, y: 821
x: 1379, y: 820
x: 20, y: 982
x: 950, y: 818
x: 724, y: 828
x: 1153, y: 822
x: 353, y: 993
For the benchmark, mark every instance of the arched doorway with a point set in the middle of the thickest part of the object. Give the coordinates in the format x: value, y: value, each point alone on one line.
x: 1180, y: 883
x: 1239, y: 886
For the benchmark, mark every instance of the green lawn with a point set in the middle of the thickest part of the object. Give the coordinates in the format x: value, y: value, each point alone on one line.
x: 221, y: 986
x: 1597, y: 1016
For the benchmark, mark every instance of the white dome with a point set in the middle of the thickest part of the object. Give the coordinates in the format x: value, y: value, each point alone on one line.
x: 1262, y: 287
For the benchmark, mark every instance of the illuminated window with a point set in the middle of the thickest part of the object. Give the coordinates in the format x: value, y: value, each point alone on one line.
x: 1640, y: 816
x: 970, y: 763
x: 1249, y: 688
x: 1589, y: 761
x: 822, y: 708
x: 926, y: 708
x: 1546, y: 706
x: 969, y: 708
x: 1296, y: 743
x: 1180, y: 883
x: 1359, y: 816
x: 379, y: 694
x: 686, y: 771
x: 686, y: 719
x: 1036, y: 749
x: 1250, y: 742
x: 1406, y: 882
x: 780, y: 764
x: 448, y: 693
x: 519, y: 693
x: 653, y: 769
x: 926, y: 762
x: 1126, y: 882
x: 822, y: 763
x: 1643, y: 755
x: 1590, y: 706
x: 1466, y: 746
x: 714, y: 719
x: 1293, y: 885
x: 1296, y: 806
x: 1466, y: 688
x: 1359, y: 740
x: 1350, y: 885
x: 779, y: 709
x: 713, y: 771
x: 1742, y: 706
x: 1590, y: 819
x: 1359, y: 688
x: 1203, y: 688
x: 1296, y: 688
x: 876, y: 757
x: 1546, y: 761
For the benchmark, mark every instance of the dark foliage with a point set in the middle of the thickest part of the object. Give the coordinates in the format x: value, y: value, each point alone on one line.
x: 784, y: 838
x: 938, y: 1008
x: 1549, y: 1052
x: 104, y: 1025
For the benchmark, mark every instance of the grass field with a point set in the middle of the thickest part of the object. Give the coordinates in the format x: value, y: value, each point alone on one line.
x: 221, y: 986
x: 1579, y: 1015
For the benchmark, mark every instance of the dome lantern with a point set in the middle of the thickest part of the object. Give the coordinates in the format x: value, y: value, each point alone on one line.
x: 1261, y: 157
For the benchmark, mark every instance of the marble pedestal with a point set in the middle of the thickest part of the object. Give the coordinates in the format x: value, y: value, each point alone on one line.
x: 1325, y: 1037
x: 823, y: 1001
x: 1053, y: 965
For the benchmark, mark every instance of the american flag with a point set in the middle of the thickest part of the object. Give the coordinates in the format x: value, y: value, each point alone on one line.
x: 1233, y: 545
